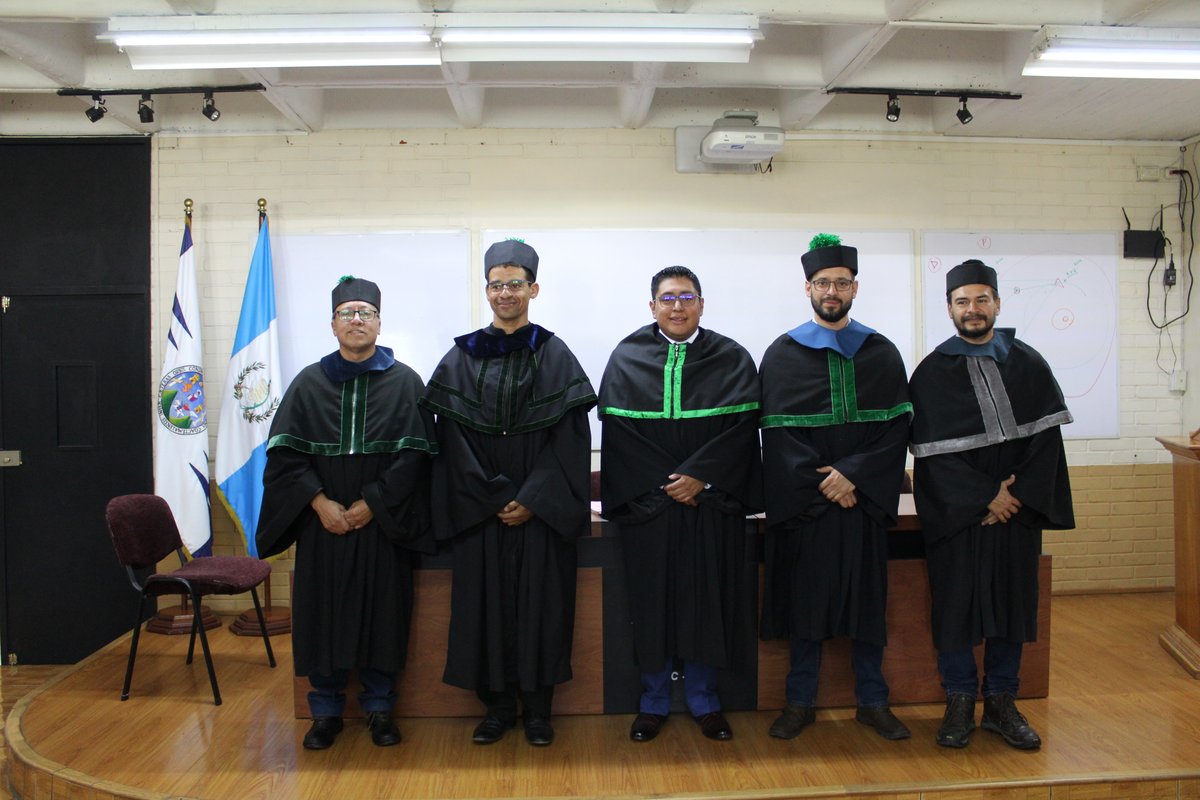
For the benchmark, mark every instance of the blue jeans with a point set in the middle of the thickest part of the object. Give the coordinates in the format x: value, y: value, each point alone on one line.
x: 870, y: 688
x: 328, y: 695
x: 699, y: 688
x: 1001, y: 668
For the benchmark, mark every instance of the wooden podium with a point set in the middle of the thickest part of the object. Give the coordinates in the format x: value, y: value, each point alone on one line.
x: 1182, y: 639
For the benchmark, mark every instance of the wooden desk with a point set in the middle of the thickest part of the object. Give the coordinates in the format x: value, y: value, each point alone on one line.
x: 606, y: 679
x: 1182, y: 639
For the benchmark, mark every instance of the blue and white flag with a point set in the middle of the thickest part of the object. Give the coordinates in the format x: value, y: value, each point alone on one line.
x: 181, y: 436
x: 252, y: 393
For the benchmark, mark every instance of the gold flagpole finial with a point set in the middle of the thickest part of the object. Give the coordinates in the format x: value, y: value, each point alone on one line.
x: 187, y: 207
x: 262, y: 205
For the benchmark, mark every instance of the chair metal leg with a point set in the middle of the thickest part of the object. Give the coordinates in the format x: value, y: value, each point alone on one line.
x: 192, y: 636
x: 208, y: 662
x: 262, y: 625
x: 137, y: 630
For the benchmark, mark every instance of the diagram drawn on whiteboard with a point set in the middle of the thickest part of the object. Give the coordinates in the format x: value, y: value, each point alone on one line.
x: 1060, y: 292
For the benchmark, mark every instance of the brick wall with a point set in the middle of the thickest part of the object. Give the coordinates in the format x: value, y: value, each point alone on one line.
x: 377, y: 180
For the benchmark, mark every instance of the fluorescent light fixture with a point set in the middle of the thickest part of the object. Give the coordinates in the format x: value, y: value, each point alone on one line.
x: 342, y: 40
x: 582, y: 36
x: 1107, y: 52
x: 281, y: 40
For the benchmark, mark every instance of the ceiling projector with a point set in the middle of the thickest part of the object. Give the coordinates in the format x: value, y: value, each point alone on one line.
x: 736, y: 138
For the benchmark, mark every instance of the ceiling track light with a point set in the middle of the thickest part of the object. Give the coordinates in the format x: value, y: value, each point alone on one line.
x: 146, y: 109
x: 894, y: 95
x: 893, y: 108
x: 210, y: 109
x: 97, y: 111
x: 964, y: 116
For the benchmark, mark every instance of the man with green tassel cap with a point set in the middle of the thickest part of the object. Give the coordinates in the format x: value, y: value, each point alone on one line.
x: 835, y: 419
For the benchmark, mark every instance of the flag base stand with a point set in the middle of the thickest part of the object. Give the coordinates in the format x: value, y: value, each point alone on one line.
x: 177, y: 620
x: 279, y: 620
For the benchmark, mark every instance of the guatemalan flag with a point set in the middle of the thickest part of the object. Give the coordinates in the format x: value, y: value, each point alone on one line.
x: 181, y: 436
x: 253, y: 390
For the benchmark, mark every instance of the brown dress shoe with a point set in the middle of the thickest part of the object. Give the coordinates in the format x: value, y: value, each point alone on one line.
x: 645, y: 727
x: 715, y: 726
x: 883, y: 721
x: 793, y: 720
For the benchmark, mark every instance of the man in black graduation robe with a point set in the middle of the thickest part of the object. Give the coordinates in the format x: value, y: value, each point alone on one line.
x: 347, y: 481
x: 990, y: 476
x: 680, y: 471
x: 510, y: 493
x: 835, y: 422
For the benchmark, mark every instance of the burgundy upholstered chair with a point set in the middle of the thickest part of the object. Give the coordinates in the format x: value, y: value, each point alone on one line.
x: 143, y: 532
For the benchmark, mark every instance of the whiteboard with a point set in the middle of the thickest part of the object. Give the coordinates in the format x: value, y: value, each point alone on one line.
x: 595, y: 284
x: 424, y: 281
x: 1059, y: 290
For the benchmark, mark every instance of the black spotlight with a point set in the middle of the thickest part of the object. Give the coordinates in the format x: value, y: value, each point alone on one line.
x: 893, y: 108
x: 97, y: 111
x: 146, y: 109
x: 963, y: 115
x: 210, y: 109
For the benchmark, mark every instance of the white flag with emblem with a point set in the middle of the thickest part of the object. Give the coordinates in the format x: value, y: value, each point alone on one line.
x: 181, y: 436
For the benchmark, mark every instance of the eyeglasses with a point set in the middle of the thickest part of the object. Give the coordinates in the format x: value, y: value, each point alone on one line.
x: 347, y: 314
x: 669, y: 300
x: 514, y: 286
x: 841, y: 284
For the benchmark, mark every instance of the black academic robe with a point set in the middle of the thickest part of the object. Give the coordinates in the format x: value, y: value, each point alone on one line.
x: 512, y: 425
x: 978, y: 420
x: 359, y: 438
x: 688, y: 409
x: 825, y: 571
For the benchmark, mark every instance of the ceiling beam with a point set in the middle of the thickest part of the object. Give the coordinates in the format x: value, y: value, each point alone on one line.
x: 798, y: 108
x: 54, y: 50
x: 636, y: 98
x: 304, y: 108
x: 187, y: 7
x: 1130, y: 12
x: 466, y: 98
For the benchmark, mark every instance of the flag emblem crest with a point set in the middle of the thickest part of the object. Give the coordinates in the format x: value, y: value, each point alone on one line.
x: 253, y: 392
x: 181, y: 401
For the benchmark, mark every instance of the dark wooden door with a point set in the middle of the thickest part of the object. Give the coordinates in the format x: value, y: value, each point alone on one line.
x: 74, y: 388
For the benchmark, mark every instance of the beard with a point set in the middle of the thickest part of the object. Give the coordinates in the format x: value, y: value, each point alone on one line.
x: 968, y: 333
x: 831, y: 314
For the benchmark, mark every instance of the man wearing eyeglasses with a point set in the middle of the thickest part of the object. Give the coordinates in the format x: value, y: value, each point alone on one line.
x: 510, y: 493
x: 835, y: 418
x: 347, y: 481
x: 680, y: 471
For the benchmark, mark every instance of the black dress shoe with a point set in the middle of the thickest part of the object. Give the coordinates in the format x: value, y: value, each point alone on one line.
x: 883, y: 721
x: 384, y: 732
x: 793, y: 720
x: 1000, y: 716
x: 646, y: 726
x: 538, y: 731
x: 322, y: 733
x: 958, y: 721
x: 715, y: 726
x: 491, y: 730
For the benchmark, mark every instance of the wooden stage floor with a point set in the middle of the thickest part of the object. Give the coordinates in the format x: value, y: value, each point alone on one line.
x: 1122, y: 721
